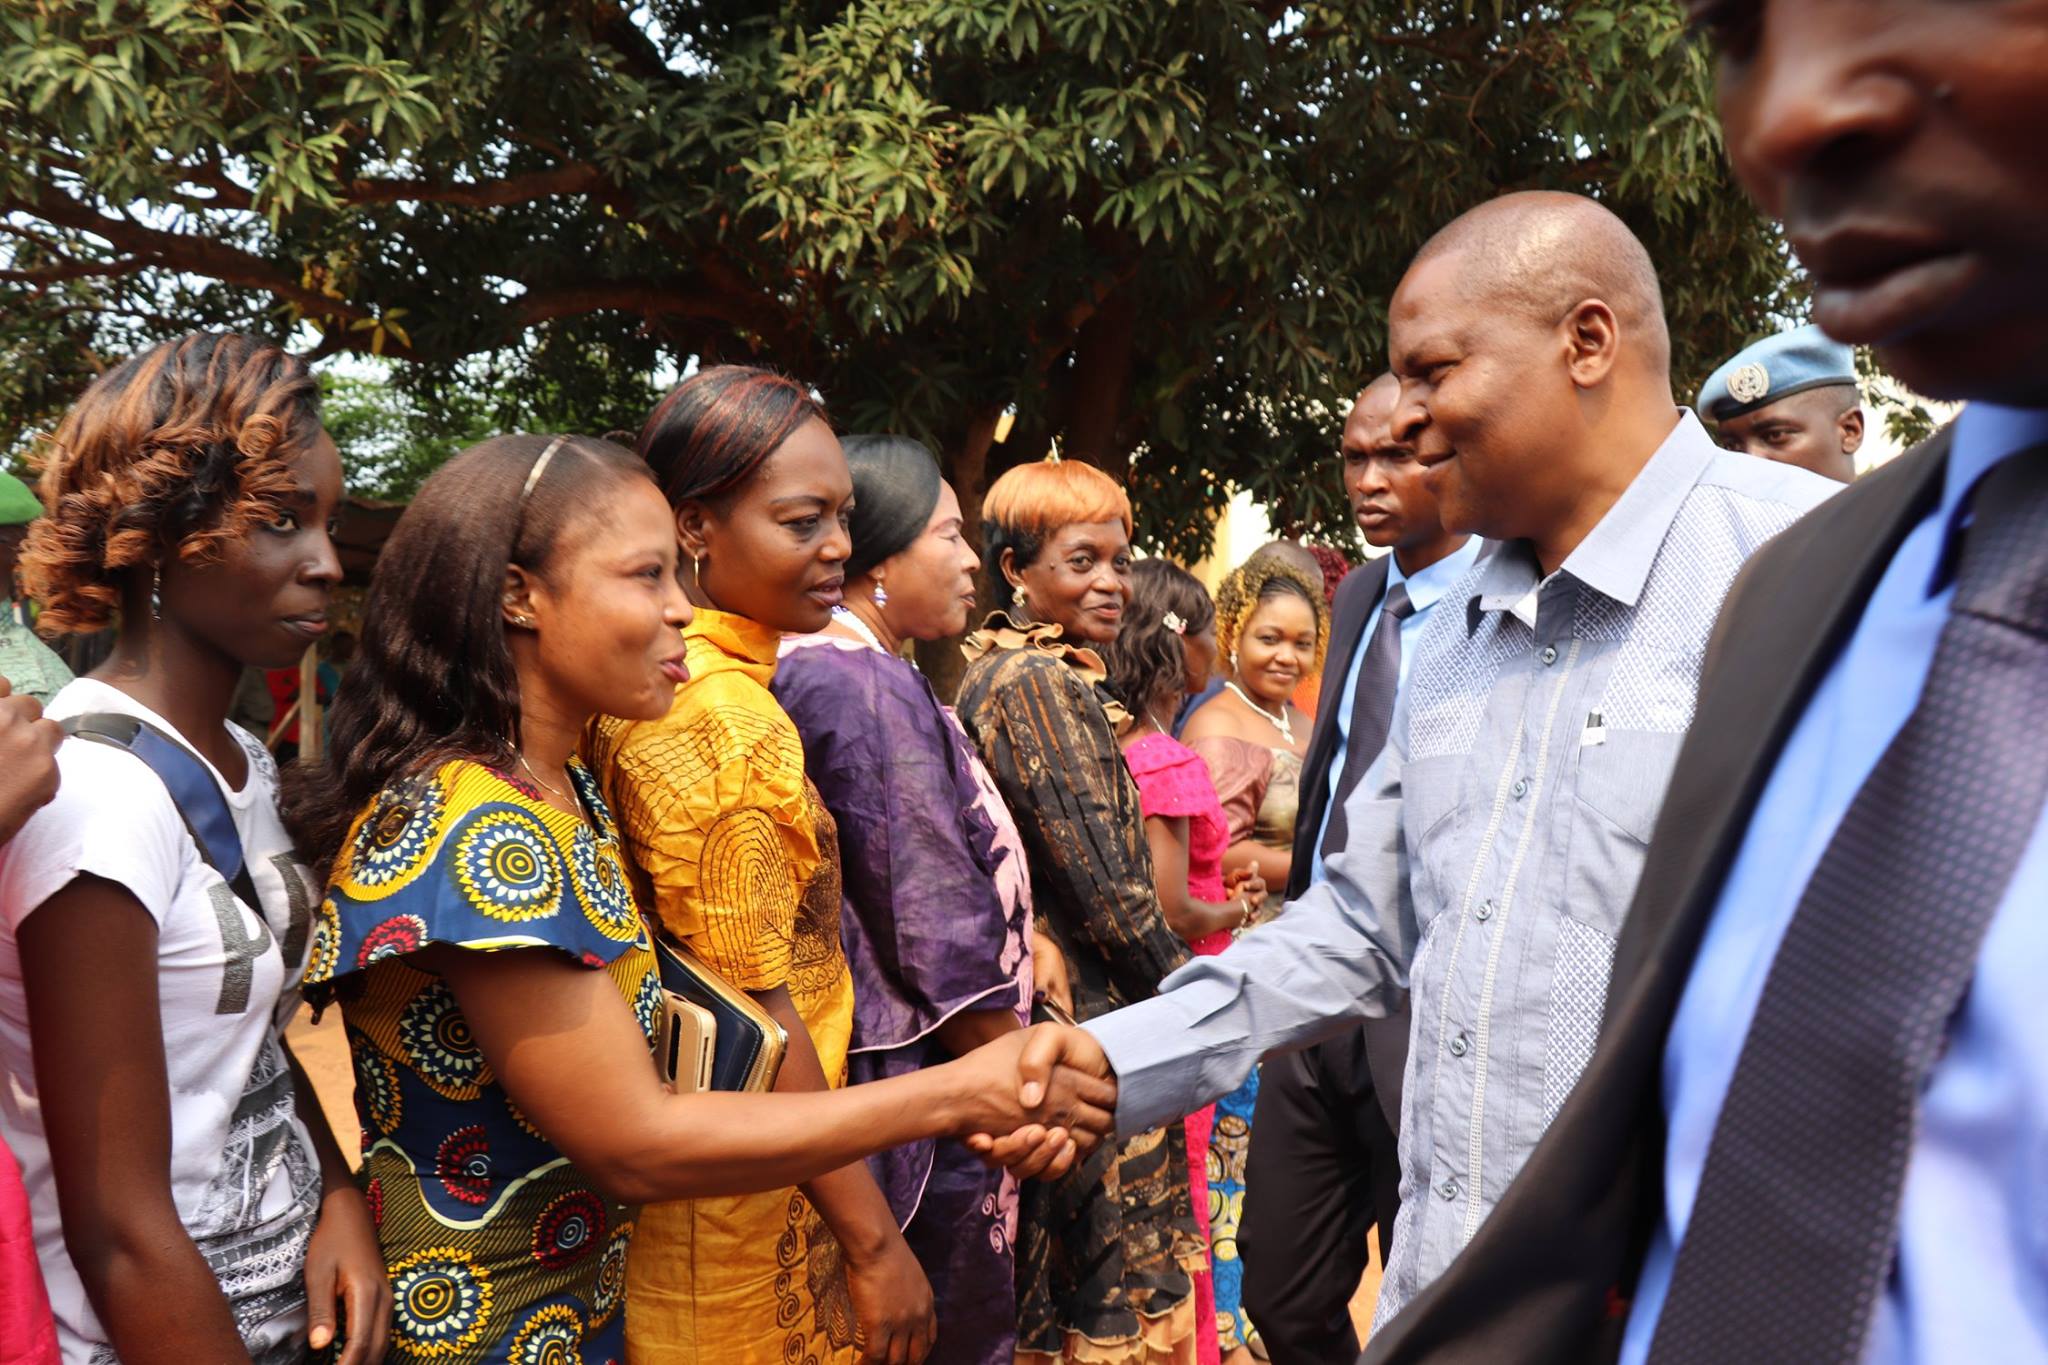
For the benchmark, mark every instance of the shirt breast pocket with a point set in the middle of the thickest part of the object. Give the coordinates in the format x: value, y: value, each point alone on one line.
x: 1617, y: 792
x: 1430, y: 797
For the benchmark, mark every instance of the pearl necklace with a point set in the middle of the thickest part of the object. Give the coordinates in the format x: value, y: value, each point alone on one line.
x: 847, y: 617
x: 1282, y: 722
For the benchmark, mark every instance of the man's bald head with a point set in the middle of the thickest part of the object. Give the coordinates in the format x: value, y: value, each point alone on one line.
x: 1376, y: 402
x: 1535, y: 366
x: 1292, y: 553
x: 1543, y: 253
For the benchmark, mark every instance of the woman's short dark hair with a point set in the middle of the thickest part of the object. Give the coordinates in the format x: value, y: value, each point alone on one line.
x: 716, y: 429
x: 895, y: 487
x: 1148, y: 656
x: 176, y: 451
x: 433, y: 680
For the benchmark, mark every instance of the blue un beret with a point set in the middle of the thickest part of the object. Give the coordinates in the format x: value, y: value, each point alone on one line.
x: 1774, y: 368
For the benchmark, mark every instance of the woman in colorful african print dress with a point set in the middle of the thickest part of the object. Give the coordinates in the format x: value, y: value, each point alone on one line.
x: 1161, y: 656
x: 736, y: 856
x: 493, y: 972
x: 1106, y: 1255
x: 937, y: 921
x: 1273, y: 626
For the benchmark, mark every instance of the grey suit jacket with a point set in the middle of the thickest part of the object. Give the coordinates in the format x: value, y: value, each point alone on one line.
x: 1548, y: 1276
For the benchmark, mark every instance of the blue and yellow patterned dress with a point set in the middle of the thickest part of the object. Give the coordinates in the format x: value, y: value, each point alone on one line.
x: 499, y: 1250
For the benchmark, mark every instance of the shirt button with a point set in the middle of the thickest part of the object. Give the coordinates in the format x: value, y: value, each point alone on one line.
x: 1549, y: 655
x: 1484, y: 912
x: 1521, y: 788
x: 1448, y: 1190
x: 1458, y: 1045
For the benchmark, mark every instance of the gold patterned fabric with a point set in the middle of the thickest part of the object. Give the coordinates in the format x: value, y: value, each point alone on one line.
x: 734, y: 854
x: 1259, y: 786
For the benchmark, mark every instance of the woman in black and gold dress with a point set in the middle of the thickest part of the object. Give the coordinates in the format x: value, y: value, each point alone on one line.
x: 1105, y: 1255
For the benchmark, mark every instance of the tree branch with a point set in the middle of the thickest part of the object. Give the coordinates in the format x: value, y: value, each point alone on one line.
x: 575, y: 178
x: 46, y: 276
x: 192, y: 255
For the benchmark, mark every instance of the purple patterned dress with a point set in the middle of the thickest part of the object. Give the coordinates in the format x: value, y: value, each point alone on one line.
x: 936, y: 919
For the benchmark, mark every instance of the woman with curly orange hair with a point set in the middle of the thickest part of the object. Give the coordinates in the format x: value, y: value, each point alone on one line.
x: 189, y: 1202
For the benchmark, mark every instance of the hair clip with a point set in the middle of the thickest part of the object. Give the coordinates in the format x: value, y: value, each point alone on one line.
x: 1173, y: 623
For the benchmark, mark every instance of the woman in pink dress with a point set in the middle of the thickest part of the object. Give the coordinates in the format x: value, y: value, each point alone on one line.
x: 1161, y: 656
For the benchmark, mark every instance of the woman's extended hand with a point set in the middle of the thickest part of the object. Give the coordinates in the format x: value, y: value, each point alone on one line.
x: 345, y: 1265
x: 892, y: 1305
x: 1038, y: 1098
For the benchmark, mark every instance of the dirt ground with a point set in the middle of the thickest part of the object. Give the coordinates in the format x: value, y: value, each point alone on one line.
x: 322, y: 1049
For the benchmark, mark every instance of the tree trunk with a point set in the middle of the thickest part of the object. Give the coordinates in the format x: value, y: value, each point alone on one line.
x: 1100, y: 383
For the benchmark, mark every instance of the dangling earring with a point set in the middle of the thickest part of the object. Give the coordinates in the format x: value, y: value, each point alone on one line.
x: 156, y: 594
x: 697, y: 567
x: 881, y: 594
x: 1017, y: 597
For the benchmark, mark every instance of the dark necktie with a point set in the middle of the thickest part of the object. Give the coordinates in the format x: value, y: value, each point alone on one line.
x: 1794, y: 1229
x: 1372, y: 708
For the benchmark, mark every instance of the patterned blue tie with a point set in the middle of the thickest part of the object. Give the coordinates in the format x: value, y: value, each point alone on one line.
x: 1797, y: 1218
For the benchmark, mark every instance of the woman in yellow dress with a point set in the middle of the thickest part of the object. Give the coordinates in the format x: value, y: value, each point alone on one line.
x: 735, y: 857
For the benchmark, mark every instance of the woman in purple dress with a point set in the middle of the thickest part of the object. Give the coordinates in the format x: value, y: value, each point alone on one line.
x: 936, y: 900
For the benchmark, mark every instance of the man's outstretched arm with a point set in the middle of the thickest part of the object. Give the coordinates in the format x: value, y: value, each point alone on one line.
x: 1336, y: 955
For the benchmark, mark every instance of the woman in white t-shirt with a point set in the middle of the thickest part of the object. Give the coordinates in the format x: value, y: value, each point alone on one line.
x: 188, y: 1200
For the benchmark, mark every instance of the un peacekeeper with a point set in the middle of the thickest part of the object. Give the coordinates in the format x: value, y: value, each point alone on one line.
x: 31, y: 666
x: 1790, y: 398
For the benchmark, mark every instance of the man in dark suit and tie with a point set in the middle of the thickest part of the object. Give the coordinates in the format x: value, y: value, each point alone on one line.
x: 1323, y: 1168
x: 1813, y: 1127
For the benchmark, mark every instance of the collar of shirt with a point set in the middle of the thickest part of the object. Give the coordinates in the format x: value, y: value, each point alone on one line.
x: 1432, y: 581
x: 1615, y: 557
x: 1984, y: 435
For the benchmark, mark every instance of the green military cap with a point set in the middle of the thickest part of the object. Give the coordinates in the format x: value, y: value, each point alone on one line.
x: 18, y: 504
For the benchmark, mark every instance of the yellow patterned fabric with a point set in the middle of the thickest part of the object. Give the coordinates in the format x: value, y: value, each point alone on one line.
x: 734, y: 854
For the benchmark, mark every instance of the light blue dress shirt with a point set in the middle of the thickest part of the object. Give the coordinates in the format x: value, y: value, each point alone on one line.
x: 1428, y: 584
x: 1972, y: 1276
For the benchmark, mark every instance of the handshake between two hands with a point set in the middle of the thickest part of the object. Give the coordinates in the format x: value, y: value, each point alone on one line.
x: 1038, y: 1100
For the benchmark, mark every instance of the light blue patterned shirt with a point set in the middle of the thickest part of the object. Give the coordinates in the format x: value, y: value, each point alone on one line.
x: 1425, y: 589
x: 1495, y: 845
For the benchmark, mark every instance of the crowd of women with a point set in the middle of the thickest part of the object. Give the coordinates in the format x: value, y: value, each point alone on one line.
x: 606, y: 697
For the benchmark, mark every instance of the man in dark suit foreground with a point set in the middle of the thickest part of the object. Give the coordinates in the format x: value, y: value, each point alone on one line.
x: 1324, y: 1169
x: 1812, y: 1129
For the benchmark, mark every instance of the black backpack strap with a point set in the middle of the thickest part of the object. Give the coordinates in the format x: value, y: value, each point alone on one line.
x: 191, y: 785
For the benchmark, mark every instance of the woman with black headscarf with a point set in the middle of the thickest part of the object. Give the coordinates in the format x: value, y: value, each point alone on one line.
x: 936, y: 901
